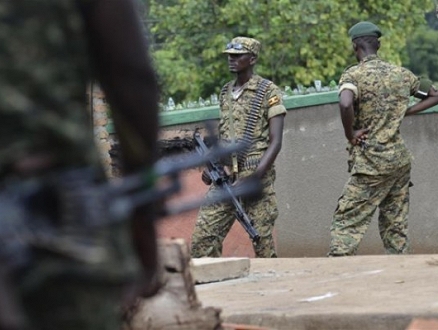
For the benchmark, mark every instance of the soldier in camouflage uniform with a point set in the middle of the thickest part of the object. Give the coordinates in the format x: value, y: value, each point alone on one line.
x: 214, y: 221
x: 46, y: 51
x: 374, y: 98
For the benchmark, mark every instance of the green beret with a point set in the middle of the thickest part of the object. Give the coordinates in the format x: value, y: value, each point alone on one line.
x: 364, y: 29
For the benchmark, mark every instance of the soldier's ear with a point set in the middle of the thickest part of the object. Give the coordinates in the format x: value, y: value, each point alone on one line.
x: 354, y: 46
x: 378, y: 44
x: 253, y: 59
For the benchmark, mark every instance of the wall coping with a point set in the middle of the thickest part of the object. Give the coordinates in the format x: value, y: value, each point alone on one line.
x: 185, y: 116
x: 175, y: 117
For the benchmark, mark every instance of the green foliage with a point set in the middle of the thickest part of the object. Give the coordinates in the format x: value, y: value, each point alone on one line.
x: 432, y: 19
x: 302, y: 40
x: 422, y: 50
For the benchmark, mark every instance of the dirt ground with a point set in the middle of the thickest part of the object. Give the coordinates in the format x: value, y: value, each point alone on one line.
x: 362, y: 292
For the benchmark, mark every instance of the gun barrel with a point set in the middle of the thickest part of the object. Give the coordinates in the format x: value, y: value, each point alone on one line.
x: 241, y: 215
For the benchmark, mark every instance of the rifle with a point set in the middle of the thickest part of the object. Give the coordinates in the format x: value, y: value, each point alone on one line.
x: 221, y: 179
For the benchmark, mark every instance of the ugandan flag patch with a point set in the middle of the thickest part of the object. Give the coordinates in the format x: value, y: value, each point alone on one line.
x: 274, y: 100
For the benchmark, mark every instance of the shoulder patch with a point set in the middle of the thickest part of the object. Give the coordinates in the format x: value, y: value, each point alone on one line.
x: 273, y: 100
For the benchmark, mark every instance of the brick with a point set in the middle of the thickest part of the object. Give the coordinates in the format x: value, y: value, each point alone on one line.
x: 104, y: 146
x: 423, y: 324
x: 100, y: 121
x: 101, y: 133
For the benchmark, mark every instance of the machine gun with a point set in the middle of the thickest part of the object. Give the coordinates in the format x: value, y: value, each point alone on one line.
x: 82, y: 203
x: 221, y: 179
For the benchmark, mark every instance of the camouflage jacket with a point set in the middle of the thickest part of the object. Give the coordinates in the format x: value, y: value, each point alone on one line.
x: 43, y: 76
x: 239, y: 109
x: 381, y: 98
x: 44, y: 70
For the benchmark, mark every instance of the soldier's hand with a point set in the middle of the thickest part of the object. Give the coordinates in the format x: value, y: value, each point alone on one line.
x: 359, y: 136
x: 206, y: 177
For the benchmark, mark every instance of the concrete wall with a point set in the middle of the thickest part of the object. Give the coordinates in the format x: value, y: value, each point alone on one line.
x: 312, y: 170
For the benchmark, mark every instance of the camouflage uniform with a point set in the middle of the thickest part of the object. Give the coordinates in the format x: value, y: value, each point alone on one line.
x: 214, y: 221
x: 43, y: 75
x: 380, y: 171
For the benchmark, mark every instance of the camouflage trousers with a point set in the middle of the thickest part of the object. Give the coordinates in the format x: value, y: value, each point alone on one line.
x: 360, y: 198
x: 215, y: 220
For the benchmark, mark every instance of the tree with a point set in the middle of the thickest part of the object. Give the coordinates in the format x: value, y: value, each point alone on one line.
x: 423, y: 53
x: 302, y: 40
x: 432, y: 19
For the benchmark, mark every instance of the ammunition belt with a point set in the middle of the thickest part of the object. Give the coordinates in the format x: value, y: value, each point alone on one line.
x: 250, y: 163
x: 251, y: 121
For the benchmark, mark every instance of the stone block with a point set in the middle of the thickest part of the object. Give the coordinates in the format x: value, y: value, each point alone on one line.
x: 175, y: 306
x: 234, y: 326
x: 206, y: 270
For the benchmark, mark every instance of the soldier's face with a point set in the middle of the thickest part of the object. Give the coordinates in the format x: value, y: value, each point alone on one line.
x: 239, y: 62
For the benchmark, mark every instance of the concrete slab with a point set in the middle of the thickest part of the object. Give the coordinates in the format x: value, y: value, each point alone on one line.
x: 361, y: 292
x: 207, y: 270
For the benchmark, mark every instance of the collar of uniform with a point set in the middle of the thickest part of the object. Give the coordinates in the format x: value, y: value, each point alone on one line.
x: 252, y: 82
x: 370, y: 58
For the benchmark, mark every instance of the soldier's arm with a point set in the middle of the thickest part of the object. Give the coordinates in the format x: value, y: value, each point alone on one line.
x: 276, y: 113
x: 125, y: 72
x: 430, y: 101
x: 346, y: 107
x: 275, y: 143
x: 121, y: 60
x: 348, y: 92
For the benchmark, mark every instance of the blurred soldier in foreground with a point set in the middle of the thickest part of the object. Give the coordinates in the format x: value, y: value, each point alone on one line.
x: 48, y: 52
x: 373, y: 99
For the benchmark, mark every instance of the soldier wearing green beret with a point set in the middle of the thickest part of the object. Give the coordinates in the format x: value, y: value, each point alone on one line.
x: 373, y: 100
x: 252, y: 110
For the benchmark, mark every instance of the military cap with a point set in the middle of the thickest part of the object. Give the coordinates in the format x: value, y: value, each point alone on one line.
x: 364, y: 29
x: 243, y: 45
